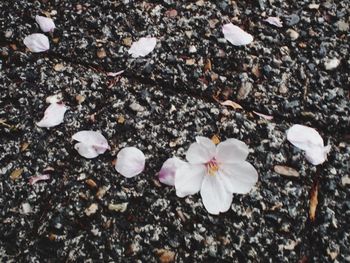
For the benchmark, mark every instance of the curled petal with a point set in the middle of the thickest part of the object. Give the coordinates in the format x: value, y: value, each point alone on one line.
x: 304, y: 137
x: 37, y: 42
x: 167, y: 173
x: 130, y: 162
x: 238, y: 177
x: 46, y: 24
x: 86, y: 150
x: 143, y: 47
x: 214, y: 195
x: 276, y: 21
x: 35, y: 179
x: 92, y: 138
x: 188, y: 179
x: 199, y: 153
x: 235, y: 35
x: 231, y: 151
x: 53, y: 115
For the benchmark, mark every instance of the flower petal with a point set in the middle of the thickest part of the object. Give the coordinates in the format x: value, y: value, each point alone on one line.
x: 86, y: 150
x: 207, y: 143
x: 199, y: 154
x: 235, y: 35
x: 188, y: 179
x: 142, y: 47
x: 167, y: 173
x: 238, y: 177
x: 53, y: 115
x: 214, y: 195
x: 276, y: 21
x: 35, y: 179
x: 130, y: 162
x: 304, y: 137
x: 92, y: 138
x: 46, y: 24
x: 317, y: 155
x: 231, y: 151
x: 37, y: 42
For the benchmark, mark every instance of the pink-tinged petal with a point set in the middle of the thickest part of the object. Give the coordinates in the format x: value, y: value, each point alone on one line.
x: 46, y: 24
x: 37, y: 42
x: 276, y: 21
x: 167, y: 173
x: 266, y: 117
x: 216, y: 199
x: 199, y: 153
x: 53, y: 115
x: 143, y: 47
x: 207, y: 143
x: 304, y: 137
x: 238, y: 177
x: 188, y: 179
x: 317, y: 155
x: 114, y: 74
x: 35, y: 179
x: 231, y: 151
x: 86, y: 150
x: 130, y: 162
x: 92, y: 138
x: 235, y: 35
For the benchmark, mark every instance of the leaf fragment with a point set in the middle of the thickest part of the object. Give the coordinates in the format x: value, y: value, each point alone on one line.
x: 232, y: 104
x: 286, y: 171
x: 16, y: 174
x: 313, y: 201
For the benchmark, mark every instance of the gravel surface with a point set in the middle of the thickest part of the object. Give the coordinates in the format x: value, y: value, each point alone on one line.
x: 86, y: 211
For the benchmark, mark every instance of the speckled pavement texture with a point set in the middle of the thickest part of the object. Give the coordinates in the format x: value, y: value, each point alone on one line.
x: 159, y: 104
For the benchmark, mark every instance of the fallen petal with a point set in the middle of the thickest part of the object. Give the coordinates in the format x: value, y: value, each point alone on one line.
x: 114, y: 74
x: 53, y: 115
x: 235, y: 35
x: 130, y: 162
x: 317, y: 156
x: 143, y: 47
x: 276, y: 21
x: 86, y: 150
x: 35, y: 179
x: 37, y: 42
x: 167, y: 173
x: 46, y: 24
x: 92, y: 138
x: 266, y: 117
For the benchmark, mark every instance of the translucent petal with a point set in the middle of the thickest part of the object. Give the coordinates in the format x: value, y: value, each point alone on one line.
x: 53, y: 115
x: 167, y: 173
x: 86, y: 150
x: 142, y: 47
x: 130, y: 162
x: 46, y: 24
x: 92, y: 138
x: 188, y: 179
x: 304, y: 137
x: 235, y: 35
x: 199, y: 153
x: 37, y: 42
x: 231, y: 151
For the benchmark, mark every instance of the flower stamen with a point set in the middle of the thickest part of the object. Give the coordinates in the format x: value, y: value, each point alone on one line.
x: 212, y: 167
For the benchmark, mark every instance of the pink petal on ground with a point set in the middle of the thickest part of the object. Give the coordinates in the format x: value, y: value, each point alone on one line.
x: 37, y: 42
x: 167, y: 173
x: 91, y: 143
x: 142, y: 47
x: 46, y: 24
x: 114, y: 74
x: 53, y: 115
x: 276, y: 21
x: 35, y: 179
x: 267, y: 117
x: 235, y: 35
x: 130, y: 162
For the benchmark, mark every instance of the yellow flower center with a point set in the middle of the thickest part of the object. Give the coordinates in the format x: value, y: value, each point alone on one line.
x: 212, y: 167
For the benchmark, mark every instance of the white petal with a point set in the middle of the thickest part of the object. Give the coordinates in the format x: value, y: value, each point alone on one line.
x: 199, y: 153
x: 37, y: 42
x: 143, y: 47
x: 231, y: 151
x: 86, y: 150
x: 235, y: 35
x: 304, y: 137
x: 215, y: 197
x: 276, y: 21
x: 317, y: 155
x: 92, y: 138
x: 238, y: 177
x: 130, y: 162
x: 53, y: 115
x: 188, y: 179
x: 167, y: 173
x: 46, y: 24
x: 207, y: 143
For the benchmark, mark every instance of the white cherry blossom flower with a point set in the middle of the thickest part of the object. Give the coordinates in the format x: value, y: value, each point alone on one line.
x: 310, y: 141
x: 90, y: 143
x: 130, y: 162
x: 167, y: 173
x: 37, y: 42
x: 142, y: 47
x: 235, y: 35
x: 46, y: 24
x: 217, y: 172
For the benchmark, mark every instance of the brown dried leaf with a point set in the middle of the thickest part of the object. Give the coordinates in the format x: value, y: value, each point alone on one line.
x: 24, y: 146
x: 91, y: 183
x: 207, y: 66
x: 16, y: 174
x: 101, y: 53
x: 232, y: 104
x: 313, y: 201
x: 165, y: 256
x: 59, y: 67
x: 215, y: 139
x: 286, y: 171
